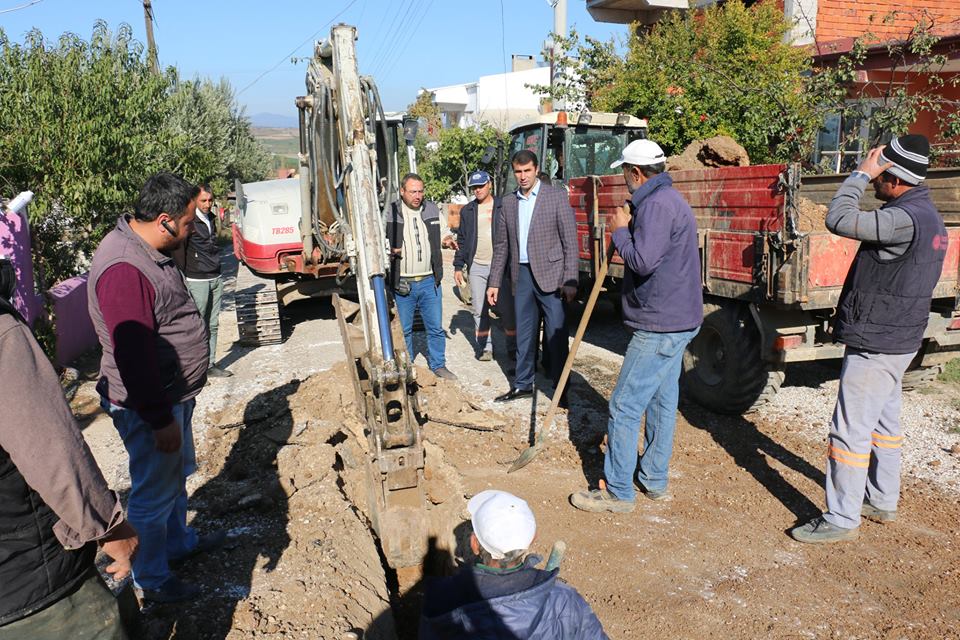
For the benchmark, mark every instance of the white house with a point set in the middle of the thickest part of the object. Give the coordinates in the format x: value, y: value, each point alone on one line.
x: 500, y: 100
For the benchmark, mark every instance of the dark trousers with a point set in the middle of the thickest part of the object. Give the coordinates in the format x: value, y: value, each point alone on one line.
x: 530, y: 303
x: 89, y: 613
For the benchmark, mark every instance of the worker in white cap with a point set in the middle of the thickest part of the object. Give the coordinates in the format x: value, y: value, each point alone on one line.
x: 504, y: 594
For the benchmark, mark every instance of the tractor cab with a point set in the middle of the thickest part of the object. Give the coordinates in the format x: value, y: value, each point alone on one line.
x: 572, y: 145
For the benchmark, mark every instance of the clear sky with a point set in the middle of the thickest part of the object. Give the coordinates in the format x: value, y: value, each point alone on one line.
x: 405, y: 44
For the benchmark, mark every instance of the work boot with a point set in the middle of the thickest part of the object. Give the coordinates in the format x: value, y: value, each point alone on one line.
x: 600, y: 500
x: 205, y: 544
x: 443, y: 372
x: 819, y: 531
x: 882, y: 516
x: 173, y: 590
x: 217, y: 372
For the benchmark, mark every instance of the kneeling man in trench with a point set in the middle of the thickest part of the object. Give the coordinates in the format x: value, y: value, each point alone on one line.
x: 504, y: 595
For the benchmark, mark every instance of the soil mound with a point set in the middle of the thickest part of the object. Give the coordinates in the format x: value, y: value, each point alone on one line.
x: 811, y: 216
x: 718, y: 151
x: 289, y: 479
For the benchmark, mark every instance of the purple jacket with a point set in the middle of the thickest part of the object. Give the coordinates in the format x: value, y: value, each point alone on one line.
x: 661, y: 290
x: 551, y: 244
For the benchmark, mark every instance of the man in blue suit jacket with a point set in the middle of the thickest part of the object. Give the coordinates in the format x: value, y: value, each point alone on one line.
x: 539, y: 236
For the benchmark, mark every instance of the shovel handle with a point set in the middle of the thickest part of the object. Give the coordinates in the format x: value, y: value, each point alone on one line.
x: 578, y: 338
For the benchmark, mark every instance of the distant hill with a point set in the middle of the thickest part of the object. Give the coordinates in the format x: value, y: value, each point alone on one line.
x: 273, y: 121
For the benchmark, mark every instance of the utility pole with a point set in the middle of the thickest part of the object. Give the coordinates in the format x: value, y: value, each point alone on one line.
x: 560, y: 31
x: 151, y: 44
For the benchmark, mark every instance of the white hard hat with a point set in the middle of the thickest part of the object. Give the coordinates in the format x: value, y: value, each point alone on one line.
x: 502, y: 522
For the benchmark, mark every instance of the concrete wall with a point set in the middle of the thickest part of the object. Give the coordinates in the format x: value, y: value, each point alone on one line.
x: 72, y: 325
x: 15, y: 245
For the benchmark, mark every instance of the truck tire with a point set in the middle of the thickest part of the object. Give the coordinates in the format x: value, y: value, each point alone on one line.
x: 722, y: 368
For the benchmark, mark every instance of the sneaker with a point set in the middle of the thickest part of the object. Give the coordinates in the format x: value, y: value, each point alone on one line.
x: 173, y: 590
x: 600, y: 500
x: 205, y: 544
x: 444, y: 373
x: 882, y: 516
x: 819, y: 530
x: 485, y: 356
x: 217, y: 372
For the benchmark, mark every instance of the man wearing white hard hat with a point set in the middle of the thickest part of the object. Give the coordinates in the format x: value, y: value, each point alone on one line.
x: 656, y: 236
x: 504, y: 595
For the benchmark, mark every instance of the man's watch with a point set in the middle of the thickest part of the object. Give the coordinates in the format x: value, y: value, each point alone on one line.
x: 859, y: 174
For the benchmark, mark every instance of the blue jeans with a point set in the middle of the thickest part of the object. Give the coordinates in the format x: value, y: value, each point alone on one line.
x: 428, y: 297
x: 649, y: 383
x: 157, y: 506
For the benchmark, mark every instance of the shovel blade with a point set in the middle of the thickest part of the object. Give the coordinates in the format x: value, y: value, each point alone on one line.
x: 526, y: 457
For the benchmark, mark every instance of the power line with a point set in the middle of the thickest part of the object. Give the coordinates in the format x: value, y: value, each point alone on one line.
x: 406, y: 42
x: 22, y: 6
x: 298, y: 47
x: 383, y: 56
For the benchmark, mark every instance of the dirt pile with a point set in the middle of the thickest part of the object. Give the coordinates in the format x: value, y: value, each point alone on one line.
x: 811, y: 216
x: 718, y: 151
x: 288, y: 472
x: 305, y: 562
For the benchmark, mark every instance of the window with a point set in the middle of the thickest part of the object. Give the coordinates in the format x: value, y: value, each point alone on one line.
x: 592, y: 151
x: 841, y: 143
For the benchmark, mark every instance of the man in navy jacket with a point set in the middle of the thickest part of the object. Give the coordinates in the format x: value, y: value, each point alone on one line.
x: 504, y: 595
x: 479, y: 220
x: 663, y: 307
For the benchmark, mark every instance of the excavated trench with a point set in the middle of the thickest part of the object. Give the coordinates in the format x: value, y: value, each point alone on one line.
x: 289, y: 466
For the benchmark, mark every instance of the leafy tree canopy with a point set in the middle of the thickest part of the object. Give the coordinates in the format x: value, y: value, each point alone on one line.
x: 446, y: 164
x: 82, y: 124
x: 725, y: 70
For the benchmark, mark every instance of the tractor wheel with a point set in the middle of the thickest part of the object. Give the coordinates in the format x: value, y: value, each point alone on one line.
x: 722, y: 369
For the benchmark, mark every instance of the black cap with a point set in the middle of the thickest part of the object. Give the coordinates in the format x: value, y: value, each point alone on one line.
x: 910, y: 156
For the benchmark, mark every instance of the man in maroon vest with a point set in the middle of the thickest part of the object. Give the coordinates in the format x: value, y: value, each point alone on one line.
x: 154, y: 363
x: 881, y: 318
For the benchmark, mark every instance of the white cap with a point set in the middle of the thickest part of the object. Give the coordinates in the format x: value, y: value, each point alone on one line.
x: 502, y: 522
x: 641, y: 153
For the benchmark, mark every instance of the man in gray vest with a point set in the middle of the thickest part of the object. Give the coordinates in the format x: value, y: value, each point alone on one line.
x: 881, y: 318
x: 199, y: 259
x: 154, y: 364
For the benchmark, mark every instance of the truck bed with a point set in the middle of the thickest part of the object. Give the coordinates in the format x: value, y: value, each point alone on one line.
x: 750, y: 248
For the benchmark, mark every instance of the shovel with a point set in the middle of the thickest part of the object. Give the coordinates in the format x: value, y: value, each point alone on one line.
x: 541, y: 440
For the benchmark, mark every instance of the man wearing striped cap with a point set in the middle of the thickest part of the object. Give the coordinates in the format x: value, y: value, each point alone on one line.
x: 881, y: 317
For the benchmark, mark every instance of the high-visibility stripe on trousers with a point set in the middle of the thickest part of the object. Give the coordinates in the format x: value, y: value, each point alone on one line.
x: 863, y: 455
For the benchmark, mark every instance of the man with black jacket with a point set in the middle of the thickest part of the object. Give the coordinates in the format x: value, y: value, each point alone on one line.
x: 416, y: 232
x: 55, y: 506
x: 199, y: 259
x: 478, y: 221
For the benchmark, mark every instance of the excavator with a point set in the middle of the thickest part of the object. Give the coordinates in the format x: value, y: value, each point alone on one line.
x: 330, y: 222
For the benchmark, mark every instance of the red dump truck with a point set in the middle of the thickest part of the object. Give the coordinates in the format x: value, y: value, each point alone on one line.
x: 770, y: 285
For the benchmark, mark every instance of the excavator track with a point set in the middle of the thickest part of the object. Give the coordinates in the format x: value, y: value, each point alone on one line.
x: 258, y: 309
